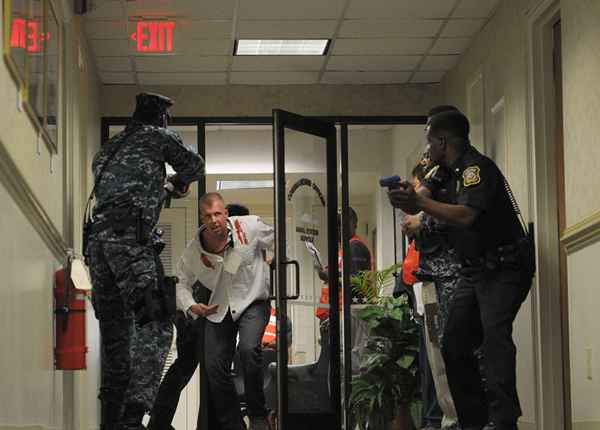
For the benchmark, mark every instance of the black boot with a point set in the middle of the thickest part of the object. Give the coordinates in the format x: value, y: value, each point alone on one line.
x: 160, y: 419
x: 132, y: 417
x: 110, y: 412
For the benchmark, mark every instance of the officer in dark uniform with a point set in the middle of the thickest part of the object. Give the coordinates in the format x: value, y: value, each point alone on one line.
x: 128, y: 292
x: 497, y: 261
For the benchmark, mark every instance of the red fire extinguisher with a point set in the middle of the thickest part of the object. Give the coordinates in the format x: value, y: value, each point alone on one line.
x: 70, y: 349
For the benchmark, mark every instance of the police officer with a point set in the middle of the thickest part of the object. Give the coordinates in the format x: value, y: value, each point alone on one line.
x: 497, y: 268
x: 135, y: 331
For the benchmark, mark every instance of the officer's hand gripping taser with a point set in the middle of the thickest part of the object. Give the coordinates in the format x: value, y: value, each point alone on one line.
x: 390, y: 181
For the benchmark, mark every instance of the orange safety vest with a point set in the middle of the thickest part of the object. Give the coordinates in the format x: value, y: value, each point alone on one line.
x: 410, y: 264
x: 322, y: 311
x: 271, y: 329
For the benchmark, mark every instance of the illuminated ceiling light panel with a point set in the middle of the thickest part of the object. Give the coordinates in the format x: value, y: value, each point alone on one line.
x: 244, y: 185
x: 281, y: 47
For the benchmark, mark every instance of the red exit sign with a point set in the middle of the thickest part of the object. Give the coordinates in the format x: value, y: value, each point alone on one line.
x: 27, y: 35
x: 154, y: 36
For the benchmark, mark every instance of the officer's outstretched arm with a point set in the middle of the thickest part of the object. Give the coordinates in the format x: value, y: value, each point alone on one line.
x: 188, y: 165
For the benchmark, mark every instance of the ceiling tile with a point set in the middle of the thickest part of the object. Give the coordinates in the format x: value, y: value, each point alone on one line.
x: 111, y: 48
x: 427, y: 77
x: 462, y: 27
x: 450, y: 46
x: 399, y: 8
x: 105, y: 29
x: 151, y: 8
x: 277, y: 9
x: 286, y: 29
x: 475, y: 8
x: 182, y: 78
x: 114, y: 64
x: 202, y: 29
x: 204, y: 47
x: 117, y: 77
x: 390, y: 28
x: 205, y: 9
x: 272, y: 63
x: 106, y: 9
x: 274, y: 78
x: 373, y: 62
x: 181, y: 63
x: 381, y: 46
x: 439, y: 62
x: 365, y: 77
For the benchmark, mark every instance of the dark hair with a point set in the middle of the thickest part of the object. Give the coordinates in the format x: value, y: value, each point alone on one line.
x: 441, y: 108
x: 450, y: 124
x: 419, y: 171
x: 235, y: 209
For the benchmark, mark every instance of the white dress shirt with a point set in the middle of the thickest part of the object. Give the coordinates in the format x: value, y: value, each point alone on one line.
x: 236, y: 279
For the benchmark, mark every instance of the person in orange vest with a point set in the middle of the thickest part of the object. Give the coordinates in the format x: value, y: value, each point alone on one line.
x: 269, y: 339
x: 360, y: 259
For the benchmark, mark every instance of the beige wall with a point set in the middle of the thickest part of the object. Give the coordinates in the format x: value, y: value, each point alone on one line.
x: 41, y: 194
x: 501, y: 56
x: 248, y: 100
x: 581, y: 73
x: 581, y: 92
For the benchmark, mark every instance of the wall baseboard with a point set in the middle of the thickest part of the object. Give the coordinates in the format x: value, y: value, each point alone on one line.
x: 586, y: 425
x: 525, y: 425
x: 23, y: 195
x: 582, y: 234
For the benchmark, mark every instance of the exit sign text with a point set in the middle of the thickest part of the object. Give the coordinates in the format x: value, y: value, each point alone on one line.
x: 154, y: 36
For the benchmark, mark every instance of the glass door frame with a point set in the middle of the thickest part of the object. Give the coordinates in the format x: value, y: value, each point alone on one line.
x: 283, y: 120
x: 343, y: 122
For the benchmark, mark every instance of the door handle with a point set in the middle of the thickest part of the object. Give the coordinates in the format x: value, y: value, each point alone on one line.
x: 297, y: 267
x: 296, y: 296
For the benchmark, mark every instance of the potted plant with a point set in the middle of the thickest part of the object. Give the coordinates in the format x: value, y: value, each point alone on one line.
x: 384, y: 390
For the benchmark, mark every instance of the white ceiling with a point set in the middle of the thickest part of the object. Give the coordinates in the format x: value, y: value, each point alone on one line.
x: 373, y: 41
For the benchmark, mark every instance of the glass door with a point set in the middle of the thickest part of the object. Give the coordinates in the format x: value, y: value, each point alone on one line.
x: 307, y: 286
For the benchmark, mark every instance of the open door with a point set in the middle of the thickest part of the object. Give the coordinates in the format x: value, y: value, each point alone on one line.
x: 306, y: 201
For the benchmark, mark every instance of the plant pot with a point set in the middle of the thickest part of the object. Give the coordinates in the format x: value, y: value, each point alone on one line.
x: 403, y: 419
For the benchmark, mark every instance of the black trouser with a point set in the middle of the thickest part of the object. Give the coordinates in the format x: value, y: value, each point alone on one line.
x: 482, y: 313
x: 189, y: 350
x: 432, y: 414
x: 220, y: 346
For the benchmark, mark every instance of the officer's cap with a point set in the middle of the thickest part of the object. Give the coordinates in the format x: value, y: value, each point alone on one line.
x: 149, y: 102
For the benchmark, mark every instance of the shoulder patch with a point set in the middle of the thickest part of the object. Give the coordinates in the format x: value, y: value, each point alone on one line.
x: 432, y: 171
x: 471, y: 176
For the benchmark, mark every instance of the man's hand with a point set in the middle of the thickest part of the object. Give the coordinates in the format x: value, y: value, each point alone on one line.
x: 404, y: 197
x: 204, y: 310
x: 411, y: 225
x: 324, y: 276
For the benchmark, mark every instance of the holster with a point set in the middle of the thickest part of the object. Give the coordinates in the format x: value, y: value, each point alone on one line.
x: 158, y: 303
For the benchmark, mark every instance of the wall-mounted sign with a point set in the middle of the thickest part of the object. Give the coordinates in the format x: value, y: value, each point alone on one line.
x: 27, y: 35
x: 154, y: 36
x: 305, y: 182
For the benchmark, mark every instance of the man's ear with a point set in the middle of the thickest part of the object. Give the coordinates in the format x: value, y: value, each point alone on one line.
x: 226, y: 212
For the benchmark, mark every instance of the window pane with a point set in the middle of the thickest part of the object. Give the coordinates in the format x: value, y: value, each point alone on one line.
x: 52, y: 49
x: 18, y: 36
x: 35, y: 53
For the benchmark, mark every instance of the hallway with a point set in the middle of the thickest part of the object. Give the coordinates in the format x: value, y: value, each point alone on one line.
x: 525, y: 72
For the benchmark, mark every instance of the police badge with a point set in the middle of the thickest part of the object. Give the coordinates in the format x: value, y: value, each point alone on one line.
x: 471, y: 176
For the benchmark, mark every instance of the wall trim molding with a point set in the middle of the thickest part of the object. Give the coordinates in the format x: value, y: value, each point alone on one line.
x: 582, y: 234
x: 31, y: 207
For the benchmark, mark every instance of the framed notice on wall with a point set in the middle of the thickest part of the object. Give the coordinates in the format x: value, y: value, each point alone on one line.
x: 15, y: 19
x: 32, y: 50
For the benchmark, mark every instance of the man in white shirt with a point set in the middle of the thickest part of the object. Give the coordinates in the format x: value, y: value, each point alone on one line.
x: 227, y: 257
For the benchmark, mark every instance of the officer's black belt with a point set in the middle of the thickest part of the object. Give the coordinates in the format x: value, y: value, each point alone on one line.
x: 99, y: 226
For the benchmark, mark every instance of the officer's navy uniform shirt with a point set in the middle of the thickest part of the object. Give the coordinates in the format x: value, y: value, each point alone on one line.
x: 475, y: 181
